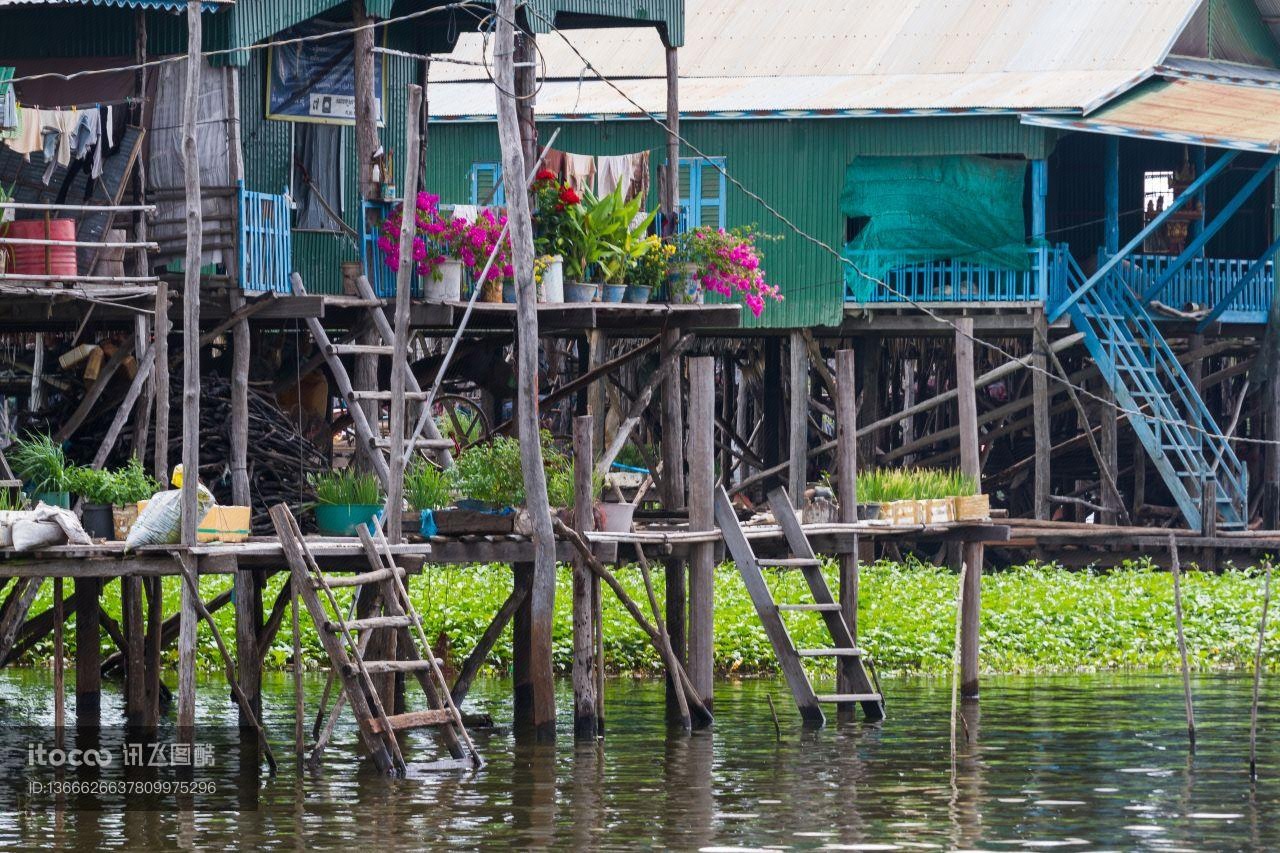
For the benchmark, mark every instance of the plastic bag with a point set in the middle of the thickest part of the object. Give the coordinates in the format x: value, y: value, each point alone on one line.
x: 161, y: 522
x: 46, y: 526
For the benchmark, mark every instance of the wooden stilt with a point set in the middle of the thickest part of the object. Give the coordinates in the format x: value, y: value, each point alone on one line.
x: 135, y: 678
x: 151, y: 651
x: 585, y: 722
x: 847, y: 498
x: 1176, y: 569
x: 597, y: 397
x: 771, y: 425
x: 188, y: 624
x: 1041, y: 429
x: 1109, y: 442
x: 970, y: 464
x: 88, y: 654
x: 867, y: 348
x: 798, y: 429
x: 59, y: 671
x: 521, y: 641
x: 248, y: 607
x: 702, y: 517
x: 673, y: 500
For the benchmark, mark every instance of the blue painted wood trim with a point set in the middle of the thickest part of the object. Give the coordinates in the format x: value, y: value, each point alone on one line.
x: 1254, y: 271
x: 1204, y: 180
x: 1039, y: 197
x: 1206, y: 233
x: 1111, y: 189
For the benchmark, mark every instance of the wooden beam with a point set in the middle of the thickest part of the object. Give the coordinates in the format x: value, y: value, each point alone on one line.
x: 586, y: 725
x: 94, y: 391
x: 1042, y: 430
x: 798, y: 428
x: 702, y: 394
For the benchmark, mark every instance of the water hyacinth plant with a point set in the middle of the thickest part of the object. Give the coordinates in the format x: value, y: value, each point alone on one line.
x: 884, y: 485
x: 729, y: 263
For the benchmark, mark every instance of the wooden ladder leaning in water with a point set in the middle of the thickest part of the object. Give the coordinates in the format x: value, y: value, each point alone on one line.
x: 377, y: 445
x: 848, y: 656
x: 338, y: 636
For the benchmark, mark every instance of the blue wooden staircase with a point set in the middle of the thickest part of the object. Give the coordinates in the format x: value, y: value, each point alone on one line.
x: 1166, y: 412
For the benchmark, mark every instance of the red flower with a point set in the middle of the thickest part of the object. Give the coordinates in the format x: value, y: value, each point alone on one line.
x: 568, y: 196
x: 545, y: 175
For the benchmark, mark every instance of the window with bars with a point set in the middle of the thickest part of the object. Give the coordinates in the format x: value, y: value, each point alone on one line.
x: 486, y: 185
x: 702, y: 192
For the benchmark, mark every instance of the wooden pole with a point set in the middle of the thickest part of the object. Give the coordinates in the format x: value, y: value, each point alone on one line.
x: 1110, y: 445
x: 798, y: 430
x: 1176, y: 569
x: 847, y: 498
x: 671, y: 177
x: 1257, y: 676
x: 400, y: 344
x: 59, y: 671
x: 542, y: 596
x: 585, y: 722
x: 135, y: 679
x: 299, y: 706
x: 702, y: 397
x: 1041, y: 429
x: 88, y: 653
x: 673, y: 500
x: 970, y: 464
x: 365, y: 371
x: 191, y: 365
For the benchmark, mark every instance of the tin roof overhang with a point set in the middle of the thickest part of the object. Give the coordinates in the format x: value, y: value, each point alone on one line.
x: 1197, y: 112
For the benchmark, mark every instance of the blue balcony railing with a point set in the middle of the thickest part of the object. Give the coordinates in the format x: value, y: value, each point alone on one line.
x: 266, y: 241
x: 1204, y: 282
x: 958, y: 280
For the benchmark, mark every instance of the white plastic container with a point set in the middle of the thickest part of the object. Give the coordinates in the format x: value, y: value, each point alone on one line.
x: 448, y: 288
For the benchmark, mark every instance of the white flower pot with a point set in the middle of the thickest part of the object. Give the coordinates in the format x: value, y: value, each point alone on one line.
x: 448, y: 288
x: 553, y: 282
x: 617, y: 517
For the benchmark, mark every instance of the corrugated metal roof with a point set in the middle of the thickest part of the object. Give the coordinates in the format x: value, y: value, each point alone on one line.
x: 170, y: 5
x: 878, y: 54
x: 1199, y: 112
x: 1218, y: 70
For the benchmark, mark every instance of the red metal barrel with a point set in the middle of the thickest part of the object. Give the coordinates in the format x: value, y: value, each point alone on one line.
x: 44, y: 260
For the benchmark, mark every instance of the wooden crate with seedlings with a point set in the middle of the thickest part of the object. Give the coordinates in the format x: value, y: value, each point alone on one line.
x: 911, y: 512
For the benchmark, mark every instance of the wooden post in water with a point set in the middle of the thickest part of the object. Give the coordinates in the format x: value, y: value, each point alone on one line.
x: 59, y: 671
x: 798, y: 432
x: 585, y: 723
x: 135, y: 678
x: 542, y: 596
x: 702, y: 401
x: 1041, y: 429
x: 1110, y: 446
x: 970, y: 464
x: 191, y: 369
x: 673, y: 500
x: 847, y: 498
x: 88, y: 654
x: 1176, y: 569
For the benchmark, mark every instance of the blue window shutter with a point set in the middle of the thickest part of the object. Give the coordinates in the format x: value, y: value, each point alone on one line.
x: 486, y: 184
x: 702, y: 193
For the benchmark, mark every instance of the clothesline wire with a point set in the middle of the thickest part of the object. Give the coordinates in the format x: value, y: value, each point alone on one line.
x: 132, y: 101
x: 906, y: 298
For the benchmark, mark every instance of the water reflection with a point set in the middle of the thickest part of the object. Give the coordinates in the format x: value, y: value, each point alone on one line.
x: 1079, y: 762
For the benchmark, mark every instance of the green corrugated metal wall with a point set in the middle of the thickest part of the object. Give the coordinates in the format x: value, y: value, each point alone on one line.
x: 797, y: 165
x: 91, y: 31
x: 268, y: 152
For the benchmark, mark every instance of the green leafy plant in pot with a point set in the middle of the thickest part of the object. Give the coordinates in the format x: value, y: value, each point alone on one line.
x: 42, y: 465
x: 111, y: 497
x: 345, y: 500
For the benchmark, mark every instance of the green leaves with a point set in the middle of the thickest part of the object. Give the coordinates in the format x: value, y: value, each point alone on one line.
x: 882, y: 485
x: 41, y: 463
x: 347, y: 487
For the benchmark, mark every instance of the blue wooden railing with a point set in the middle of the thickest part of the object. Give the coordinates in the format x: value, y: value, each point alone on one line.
x: 957, y: 279
x: 266, y: 241
x: 1205, y: 282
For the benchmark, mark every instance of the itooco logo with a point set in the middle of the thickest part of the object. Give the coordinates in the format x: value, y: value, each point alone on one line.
x: 39, y: 756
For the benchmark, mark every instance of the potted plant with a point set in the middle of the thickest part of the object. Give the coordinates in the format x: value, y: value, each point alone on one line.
x: 473, y: 242
x: 727, y: 263
x: 626, y: 240
x: 915, y: 495
x: 132, y: 486
x: 346, y: 499
x: 434, y: 233
x: 426, y: 489
x: 548, y: 275
x: 551, y: 232
x: 491, y: 484
x: 97, y: 490
x: 649, y: 270
x: 41, y: 463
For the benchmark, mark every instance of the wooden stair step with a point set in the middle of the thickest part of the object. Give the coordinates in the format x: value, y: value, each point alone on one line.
x: 382, y: 667
x: 811, y: 608
x: 831, y: 653
x: 789, y: 562
x: 376, y: 576
x: 385, y: 395
x: 413, y: 720
x: 428, y: 443
x: 359, y: 349
x: 371, y: 622
x: 841, y: 698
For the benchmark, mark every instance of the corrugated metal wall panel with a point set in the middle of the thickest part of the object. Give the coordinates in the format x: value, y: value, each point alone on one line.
x: 268, y: 151
x: 670, y: 12
x: 94, y: 31
x: 798, y: 166
x: 251, y: 21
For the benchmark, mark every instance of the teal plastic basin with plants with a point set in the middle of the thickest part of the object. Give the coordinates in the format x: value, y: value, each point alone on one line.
x: 345, y: 519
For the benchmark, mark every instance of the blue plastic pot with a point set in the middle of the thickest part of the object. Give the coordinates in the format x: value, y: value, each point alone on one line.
x: 508, y: 291
x: 638, y: 294
x: 614, y: 292
x: 577, y: 291
x: 345, y: 519
x: 62, y: 499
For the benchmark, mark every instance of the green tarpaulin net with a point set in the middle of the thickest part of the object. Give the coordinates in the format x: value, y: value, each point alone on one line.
x: 933, y: 208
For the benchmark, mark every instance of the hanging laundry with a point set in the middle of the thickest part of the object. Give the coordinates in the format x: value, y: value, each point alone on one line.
x: 629, y: 170
x: 85, y: 139
x: 580, y: 171
x: 57, y: 131
x: 29, y: 138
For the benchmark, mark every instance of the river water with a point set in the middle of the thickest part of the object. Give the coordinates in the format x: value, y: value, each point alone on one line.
x: 1070, y: 762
